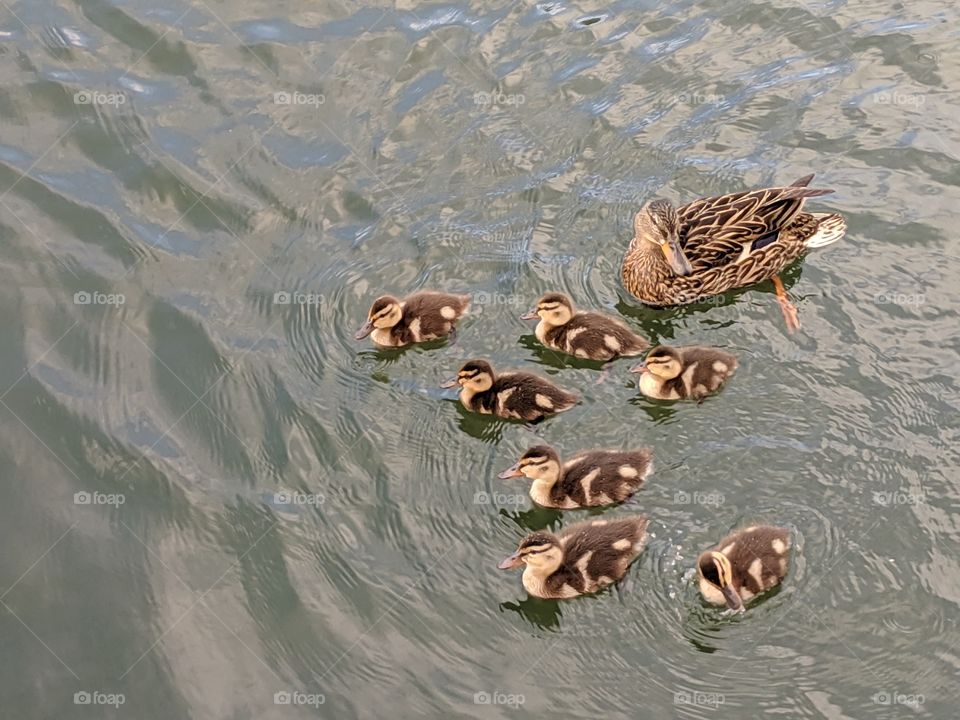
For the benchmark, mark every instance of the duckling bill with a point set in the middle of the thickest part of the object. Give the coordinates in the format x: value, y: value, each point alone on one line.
x: 587, y: 335
x: 511, y: 395
x: 670, y: 373
x: 743, y: 565
x: 583, y: 558
x: 417, y: 318
x: 588, y: 479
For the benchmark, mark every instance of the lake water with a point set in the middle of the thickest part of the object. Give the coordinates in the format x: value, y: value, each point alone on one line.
x: 217, y: 504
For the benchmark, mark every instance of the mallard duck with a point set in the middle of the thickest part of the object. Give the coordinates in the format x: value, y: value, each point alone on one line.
x: 744, y: 564
x: 670, y: 373
x: 715, y: 244
x: 583, y: 558
x: 583, y: 334
x: 417, y: 318
x: 593, y: 477
x: 514, y: 395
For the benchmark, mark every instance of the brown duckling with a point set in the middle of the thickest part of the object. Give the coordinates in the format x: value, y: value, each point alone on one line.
x: 743, y: 565
x: 513, y: 395
x: 590, y: 478
x: 670, y: 373
x: 583, y: 558
x: 587, y: 335
x: 417, y: 318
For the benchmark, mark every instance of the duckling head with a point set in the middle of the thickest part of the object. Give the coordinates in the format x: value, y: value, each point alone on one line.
x: 475, y: 376
x: 663, y: 361
x: 539, y: 551
x: 540, y: 462
x: 554, y: 309
x: 657, y: 232
x: 714, y: 567
x: 384, y: 313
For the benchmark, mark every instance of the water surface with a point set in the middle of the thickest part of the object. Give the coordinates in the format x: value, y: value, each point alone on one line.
x: 198, y: 202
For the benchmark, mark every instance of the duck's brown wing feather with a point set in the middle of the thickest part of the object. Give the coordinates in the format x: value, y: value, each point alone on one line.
x: 713, y: 231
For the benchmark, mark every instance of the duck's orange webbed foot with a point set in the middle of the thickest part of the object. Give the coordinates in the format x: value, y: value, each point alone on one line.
x: 790, y: 314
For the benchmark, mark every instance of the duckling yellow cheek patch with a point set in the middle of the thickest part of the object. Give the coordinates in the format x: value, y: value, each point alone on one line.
x: 448, y: 312
x: 628, y: 472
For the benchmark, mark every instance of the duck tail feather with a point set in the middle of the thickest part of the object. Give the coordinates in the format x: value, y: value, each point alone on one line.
x: 830, y: 229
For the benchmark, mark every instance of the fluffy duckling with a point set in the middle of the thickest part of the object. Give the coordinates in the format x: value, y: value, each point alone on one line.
x: 514, y: 395
x: 670, y: 373
x: 417, y: 318
x: 583, y: 558
x: 583, y: 334
x: 593, y: 477
x: 743, y: 565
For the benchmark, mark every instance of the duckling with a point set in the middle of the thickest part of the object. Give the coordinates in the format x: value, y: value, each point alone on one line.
x: 515, y: 395
x: 590, y: 478
x: 583, y: 558
x: 744, y: 564
x: 417, y: 318
x: 583, y: 334
x: 670, y: 373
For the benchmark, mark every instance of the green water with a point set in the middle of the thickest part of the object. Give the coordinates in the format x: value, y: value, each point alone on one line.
x: 276, y: 508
